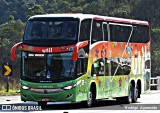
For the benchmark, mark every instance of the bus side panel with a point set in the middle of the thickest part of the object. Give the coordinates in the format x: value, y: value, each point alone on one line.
x: 140, y: 65
x: 119, y: 86
x: 82, y: 88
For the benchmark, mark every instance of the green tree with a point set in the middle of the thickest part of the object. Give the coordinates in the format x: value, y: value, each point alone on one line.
x: 155, y: 33
x: 35, y: 10
x: 10, y: 34
x: 10, y: 18
x: 148, y: 10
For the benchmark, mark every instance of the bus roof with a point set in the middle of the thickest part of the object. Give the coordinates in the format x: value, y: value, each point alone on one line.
x: 95, y: 17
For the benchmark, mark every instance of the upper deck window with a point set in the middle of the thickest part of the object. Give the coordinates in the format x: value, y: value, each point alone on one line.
x: 140, y: 34
x: 120, y: 33
x: 85, y: 30
x: 97, y: 32
x: 43, y: 29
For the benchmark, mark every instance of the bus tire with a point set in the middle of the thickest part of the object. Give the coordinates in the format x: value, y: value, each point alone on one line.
x: 42, y: 104
x: 135, y: 95
x: 129, y: 98
x: 90, y: 99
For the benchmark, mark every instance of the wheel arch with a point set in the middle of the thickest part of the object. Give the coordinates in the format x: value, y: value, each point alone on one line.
x: 94, y: 89
x: 139, y: 87
x: 133, y: 83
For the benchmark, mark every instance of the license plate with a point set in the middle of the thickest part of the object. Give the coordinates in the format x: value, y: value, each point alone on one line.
x: 45, y: 99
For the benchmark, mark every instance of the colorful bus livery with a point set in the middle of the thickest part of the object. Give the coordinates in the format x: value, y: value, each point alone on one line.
x: 84, y: 57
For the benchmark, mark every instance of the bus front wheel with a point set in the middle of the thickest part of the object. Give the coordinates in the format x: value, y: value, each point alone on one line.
x: 90, y: 99
x: 129, y: 98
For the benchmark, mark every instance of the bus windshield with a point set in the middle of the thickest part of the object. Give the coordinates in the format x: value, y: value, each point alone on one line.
x: 51, y: 30
x: 48, y: 67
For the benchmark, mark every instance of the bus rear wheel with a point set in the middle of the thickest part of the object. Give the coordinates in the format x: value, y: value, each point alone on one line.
x: 128, y: 99
x: 42, y: 104
x: 135, y: 95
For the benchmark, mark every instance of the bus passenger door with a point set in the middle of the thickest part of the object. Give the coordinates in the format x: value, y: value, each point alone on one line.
x: 98, y: 71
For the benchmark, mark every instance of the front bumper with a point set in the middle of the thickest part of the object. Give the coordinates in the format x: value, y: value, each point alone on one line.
x: 64, y: 95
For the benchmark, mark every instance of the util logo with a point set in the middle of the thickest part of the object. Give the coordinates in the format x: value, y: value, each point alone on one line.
x: 47, y: 50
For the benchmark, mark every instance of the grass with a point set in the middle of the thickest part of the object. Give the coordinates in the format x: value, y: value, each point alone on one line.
x: 13, y: 89
x: 11, y: 92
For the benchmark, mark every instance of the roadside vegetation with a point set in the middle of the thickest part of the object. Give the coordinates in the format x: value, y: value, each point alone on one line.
x: 13, y: 89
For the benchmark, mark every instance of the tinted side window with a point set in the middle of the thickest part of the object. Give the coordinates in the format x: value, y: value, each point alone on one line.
x: 82, y: 66
x: 105, y: 32
x: 85, y: 30
x: 118, y: 68
x: 147, y: 64
x: 98, y: 67
x: 140, y: 34
x: 97, y: 33
x: 145, y: 32
x: 114, y: 66
x: 119, y: 33
x: 107, y: 67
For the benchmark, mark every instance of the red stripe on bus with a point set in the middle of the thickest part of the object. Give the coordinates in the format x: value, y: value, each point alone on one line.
x: 47, y: 49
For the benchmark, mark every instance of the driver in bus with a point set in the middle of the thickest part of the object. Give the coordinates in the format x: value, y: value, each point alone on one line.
x: 56, y: 67
x: 35, y: 34
x: 70, y: 32
x: 38, y: 31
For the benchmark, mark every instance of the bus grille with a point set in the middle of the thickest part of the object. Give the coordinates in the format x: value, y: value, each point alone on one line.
x: 45, y: 91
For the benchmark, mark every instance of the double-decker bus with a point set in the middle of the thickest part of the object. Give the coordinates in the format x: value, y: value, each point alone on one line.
x: 84, y: 57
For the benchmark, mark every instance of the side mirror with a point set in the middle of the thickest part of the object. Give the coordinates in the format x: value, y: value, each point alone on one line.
x: 82, y: 54
x: 14, y: 49
x: 76, y: 49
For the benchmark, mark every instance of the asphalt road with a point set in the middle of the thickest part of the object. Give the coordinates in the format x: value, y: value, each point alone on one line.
x: 148, y: 101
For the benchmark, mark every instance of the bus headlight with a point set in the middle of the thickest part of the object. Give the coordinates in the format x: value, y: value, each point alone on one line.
x: 70, y: 87
x: 25, y: 87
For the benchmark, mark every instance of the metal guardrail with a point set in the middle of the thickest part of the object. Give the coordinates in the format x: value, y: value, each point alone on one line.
x: 155, y: 83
